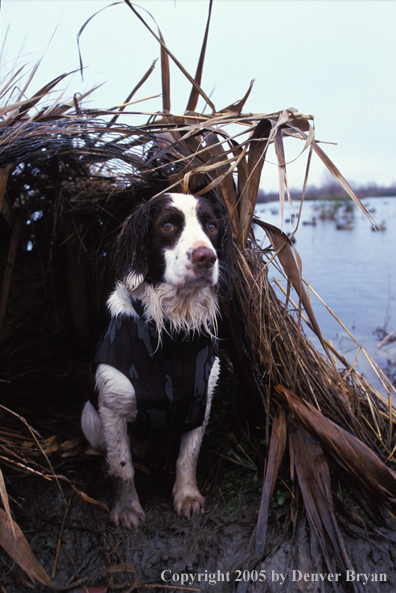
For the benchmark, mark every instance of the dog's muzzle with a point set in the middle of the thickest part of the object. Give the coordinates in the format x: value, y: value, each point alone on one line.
x: 203, y: 266
x: 203, y: 258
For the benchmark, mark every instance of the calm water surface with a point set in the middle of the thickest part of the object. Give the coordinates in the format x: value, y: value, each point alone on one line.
x: 353, y: 271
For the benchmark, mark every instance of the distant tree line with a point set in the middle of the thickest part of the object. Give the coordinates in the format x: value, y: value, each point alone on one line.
x: 331, y: 191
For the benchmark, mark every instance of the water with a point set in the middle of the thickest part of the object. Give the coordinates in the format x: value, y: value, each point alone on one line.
x: 353, y: 271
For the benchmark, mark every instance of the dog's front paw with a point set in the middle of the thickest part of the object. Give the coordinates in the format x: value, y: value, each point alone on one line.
x: 126, y: 510
x: 128, y: 514
x: 188, y: 502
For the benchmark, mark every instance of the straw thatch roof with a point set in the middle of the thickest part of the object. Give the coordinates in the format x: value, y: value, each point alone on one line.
x: 69, y: 176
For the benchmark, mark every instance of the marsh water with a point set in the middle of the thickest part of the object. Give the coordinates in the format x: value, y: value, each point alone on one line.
x: 352, y: 269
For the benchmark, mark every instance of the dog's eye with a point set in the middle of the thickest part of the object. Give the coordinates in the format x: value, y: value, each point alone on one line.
x: 212, y: 227
x: 167, y: 226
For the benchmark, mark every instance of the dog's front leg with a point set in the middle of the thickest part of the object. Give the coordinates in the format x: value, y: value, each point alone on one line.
x: 126, y: 509
x: 117, y: 406
x: 188, y: 500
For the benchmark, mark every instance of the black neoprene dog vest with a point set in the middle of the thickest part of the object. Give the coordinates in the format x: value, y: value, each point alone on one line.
x: 170, y: 379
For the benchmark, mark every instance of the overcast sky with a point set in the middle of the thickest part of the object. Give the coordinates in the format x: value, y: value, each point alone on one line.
x: 333, y: 59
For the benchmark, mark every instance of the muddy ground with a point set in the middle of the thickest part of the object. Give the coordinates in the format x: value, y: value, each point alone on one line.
x: 73, y: 539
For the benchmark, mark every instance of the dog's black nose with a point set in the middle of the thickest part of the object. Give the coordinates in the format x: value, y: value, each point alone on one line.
x: 203, y: 257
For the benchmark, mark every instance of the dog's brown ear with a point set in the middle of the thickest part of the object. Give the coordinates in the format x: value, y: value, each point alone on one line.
x: 130, y: 253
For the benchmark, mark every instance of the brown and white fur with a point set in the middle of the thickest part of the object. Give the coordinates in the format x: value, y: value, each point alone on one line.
x: 170, y: 255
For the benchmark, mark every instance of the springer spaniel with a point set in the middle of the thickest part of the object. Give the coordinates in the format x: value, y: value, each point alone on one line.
x: 157, y: 363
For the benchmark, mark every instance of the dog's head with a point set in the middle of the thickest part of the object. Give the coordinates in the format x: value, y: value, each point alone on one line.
x: 179, y: 239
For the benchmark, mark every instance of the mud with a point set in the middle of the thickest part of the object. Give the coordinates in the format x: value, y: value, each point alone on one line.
x: 90, y: 543
x: 169, y: 551
x: 74, y: 539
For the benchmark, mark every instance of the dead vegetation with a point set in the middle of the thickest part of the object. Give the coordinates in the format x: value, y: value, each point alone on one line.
x: 68, y: 177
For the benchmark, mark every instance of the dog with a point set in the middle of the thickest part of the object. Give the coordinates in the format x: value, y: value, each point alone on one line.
x: 157, y: 364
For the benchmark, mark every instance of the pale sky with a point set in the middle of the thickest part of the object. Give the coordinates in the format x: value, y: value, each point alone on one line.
x: 333, y: 59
